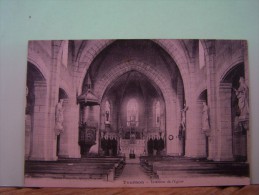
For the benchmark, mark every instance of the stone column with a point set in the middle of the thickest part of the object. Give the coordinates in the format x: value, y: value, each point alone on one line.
x: 192, y: 129
x: 96, y: 118
x: 212, y: 97
x: 63, y: 148
x: 28, y: 131
x: 53, y: 85
x: 246, y: 64
x: 201, y: 136
x: 224, y: 135
x: 69, y: 147
x: 179, y: 104
x: 172, y: 142
x: 195, y: 140
x: 39, y: 125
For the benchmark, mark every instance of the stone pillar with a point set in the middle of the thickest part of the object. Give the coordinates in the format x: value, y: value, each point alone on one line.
x: 63, y: 148
x: 51, y: 145
x: 190, y: 131
x: 246, y: 64
x: 179, y: 105
x: 39, y: 126
x: 172, y: 142
x: 212, y: 96
x: 96, y: 118
x: 201, y: 136
x: 224, y: 135
x: 195, y: 139
x: 73, y: 129
x: 28, y: 132
x: 69, y: 147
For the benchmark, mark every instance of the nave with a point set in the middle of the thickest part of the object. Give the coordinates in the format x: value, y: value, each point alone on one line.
x: 180, y: 107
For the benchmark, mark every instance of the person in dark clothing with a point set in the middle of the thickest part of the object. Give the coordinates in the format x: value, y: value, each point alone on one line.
x: 106, y: 146
x: 149, y: 147
x: 155, y: 145
x: 103, y: 144
x: 114, y: 146
x: 161, y: 146
x: 109, y: 146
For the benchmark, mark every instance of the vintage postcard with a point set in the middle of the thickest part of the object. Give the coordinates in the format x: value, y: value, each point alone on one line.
x: 137, y: 113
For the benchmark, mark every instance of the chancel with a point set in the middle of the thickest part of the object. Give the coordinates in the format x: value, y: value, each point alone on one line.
x: 146, y: 102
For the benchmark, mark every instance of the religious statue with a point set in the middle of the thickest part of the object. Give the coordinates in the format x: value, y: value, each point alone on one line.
x: 242, y: 95
x: 59, y: 117
x: 107, y: 116
x: 107, y: 112
x: 183, y: 117
x: 205, y: 117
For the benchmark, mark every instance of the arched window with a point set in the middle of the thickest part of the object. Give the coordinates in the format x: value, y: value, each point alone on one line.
x: 132, y: 113
x: 157, y: 113
x: 107, y: 112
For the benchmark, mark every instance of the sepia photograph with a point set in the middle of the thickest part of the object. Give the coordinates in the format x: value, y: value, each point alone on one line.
x: 137, y: 113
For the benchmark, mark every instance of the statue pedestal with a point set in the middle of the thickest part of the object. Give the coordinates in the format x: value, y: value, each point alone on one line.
x: 87, y: 140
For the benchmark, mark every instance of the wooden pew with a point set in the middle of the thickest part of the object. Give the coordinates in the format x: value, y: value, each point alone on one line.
x: 92, y: 168
x: 166, y: 167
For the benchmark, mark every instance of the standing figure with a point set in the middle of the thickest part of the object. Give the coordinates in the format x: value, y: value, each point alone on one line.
x: 109, y: 145
x: 183, y: 117
x: 107, y: 112
x: 114, y: 146
x: 103, y: 144
x: 148, y: 146
x: 106, y: 145
x: 205, y: 117
x: 156, y: 147
x: 160, y: 145
x: 59, y: 117
x: 107, y: 115
x: 242, y: 95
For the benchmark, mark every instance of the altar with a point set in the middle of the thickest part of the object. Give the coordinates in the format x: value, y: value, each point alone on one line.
x: 128, y: 147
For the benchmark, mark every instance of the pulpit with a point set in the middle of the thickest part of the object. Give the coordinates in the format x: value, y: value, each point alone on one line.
x: 87, y: 138
x: 88, y: 124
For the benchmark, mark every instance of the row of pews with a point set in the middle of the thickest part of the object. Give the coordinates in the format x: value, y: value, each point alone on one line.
x: 104, y: 168
x: 168, y: 167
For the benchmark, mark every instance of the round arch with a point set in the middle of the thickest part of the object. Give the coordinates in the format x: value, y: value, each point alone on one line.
x: 37, y: 87
x: 223, y: 73
x: 203, y: 95
x: 34, y: 59
x: 63, y: 85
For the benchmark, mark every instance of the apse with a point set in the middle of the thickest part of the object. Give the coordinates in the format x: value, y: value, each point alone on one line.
x: 133, y: 100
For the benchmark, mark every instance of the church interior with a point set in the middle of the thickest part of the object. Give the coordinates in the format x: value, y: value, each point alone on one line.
x: 158, y: 104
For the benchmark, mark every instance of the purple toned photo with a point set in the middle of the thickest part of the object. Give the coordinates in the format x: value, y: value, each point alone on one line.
x: 137, y: 113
